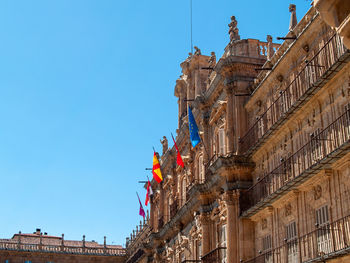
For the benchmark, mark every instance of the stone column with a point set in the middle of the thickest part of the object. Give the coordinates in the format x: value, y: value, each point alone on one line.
x: 229, y: 116
x: 205, y: 222
x: 231, y: 199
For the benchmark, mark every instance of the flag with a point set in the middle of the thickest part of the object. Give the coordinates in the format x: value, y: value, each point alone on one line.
x: 178, y: 156
x: 149, y: 192
x: 141, y: 211
x: 157, y: 174
x: 194, y: 136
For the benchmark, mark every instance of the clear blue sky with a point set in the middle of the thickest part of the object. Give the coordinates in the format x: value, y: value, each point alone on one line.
x: 86, y: 90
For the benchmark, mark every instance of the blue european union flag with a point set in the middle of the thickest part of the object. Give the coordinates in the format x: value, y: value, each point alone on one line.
x: 194, y: 136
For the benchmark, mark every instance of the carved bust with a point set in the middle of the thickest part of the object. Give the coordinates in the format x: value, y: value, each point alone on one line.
x: 317, y: 192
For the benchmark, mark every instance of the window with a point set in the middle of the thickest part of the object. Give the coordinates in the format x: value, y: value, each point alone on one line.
x: 222, y: 243
x: 324, y: 241
x: 267, y: 246
x: 292, y: 242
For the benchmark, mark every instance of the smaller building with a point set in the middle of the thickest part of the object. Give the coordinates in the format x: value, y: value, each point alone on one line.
x: 40, y: 247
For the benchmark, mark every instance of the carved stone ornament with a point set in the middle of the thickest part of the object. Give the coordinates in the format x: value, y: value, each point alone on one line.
x: 164, y: 142
x: 317, y: 192
x: 197, y: 51
x: 288, y: 209
x: 264, y: 223
x: 233, y: 30
x: 212, y: 60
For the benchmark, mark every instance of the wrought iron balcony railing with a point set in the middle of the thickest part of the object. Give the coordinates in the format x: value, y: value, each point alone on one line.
x: 323, y: 243
x: 10, y: 245
x: 314, y: 75
x: 323, y: 148
x: 218, y: 255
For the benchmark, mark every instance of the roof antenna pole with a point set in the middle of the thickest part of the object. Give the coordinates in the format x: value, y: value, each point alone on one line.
x: 191, y: 25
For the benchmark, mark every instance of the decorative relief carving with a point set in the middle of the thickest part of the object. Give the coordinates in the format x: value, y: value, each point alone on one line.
x: 288, y: 209
x: 317, y: 192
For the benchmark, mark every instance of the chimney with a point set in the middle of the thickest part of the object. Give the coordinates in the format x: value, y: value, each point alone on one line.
x: 38, y: 231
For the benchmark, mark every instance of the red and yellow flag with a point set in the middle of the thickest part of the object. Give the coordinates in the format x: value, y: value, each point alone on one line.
x: 179, y: 160
x: 157, y: 175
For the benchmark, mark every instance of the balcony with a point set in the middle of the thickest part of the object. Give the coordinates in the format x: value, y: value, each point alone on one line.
x: 323, y: 149
x: 316, y: 72
x: 218, y: 255
x: 320, y: 245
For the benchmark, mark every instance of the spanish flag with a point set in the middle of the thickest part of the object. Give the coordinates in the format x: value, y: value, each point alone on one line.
x: 157, y: 175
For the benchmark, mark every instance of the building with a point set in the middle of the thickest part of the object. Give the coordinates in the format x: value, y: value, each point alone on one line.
x: 270, y: 180
x: 41, y: 248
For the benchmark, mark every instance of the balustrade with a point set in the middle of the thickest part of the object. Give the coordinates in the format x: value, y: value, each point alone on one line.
x: 10, y: 245
x: 317, y: 151
x: 323, y: 243
x: 218, y: 255
x: 313, y: 74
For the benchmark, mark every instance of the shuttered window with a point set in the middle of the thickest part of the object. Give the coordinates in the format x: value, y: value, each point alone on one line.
x: 292, y: 242
x: 324, y: 239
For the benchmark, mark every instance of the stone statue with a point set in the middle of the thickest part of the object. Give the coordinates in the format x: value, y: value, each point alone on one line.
x: 197, y: 51
x: 164, y: 142
x: 293, y: 17
x: 233, y: 30
x: 212, y: 60
x: 270, y: 50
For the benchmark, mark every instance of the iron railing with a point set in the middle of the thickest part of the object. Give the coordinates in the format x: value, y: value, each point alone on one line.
x: 10, y: 245
x: 323, y: 243
x: 304, y: 84
x: 317, y: 151
x: 218, y: 255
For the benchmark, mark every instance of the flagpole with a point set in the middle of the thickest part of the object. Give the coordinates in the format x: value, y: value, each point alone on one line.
x: 191, y: 25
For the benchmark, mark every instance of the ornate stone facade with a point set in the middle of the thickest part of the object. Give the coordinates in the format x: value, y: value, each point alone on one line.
x: 270, y: 180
